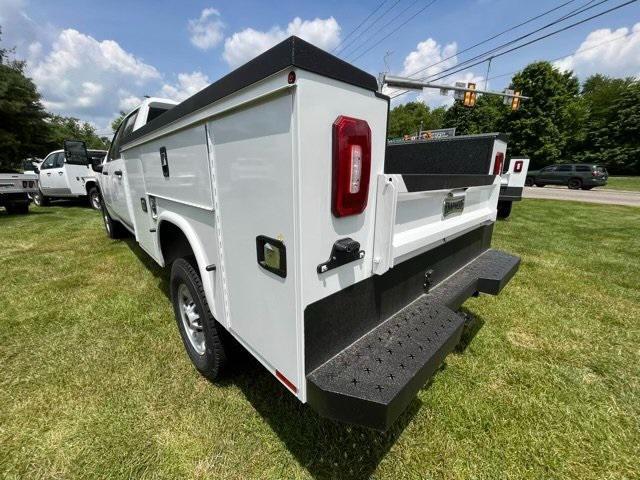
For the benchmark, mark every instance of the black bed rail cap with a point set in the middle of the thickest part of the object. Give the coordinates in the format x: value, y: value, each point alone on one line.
x: 292, y: 52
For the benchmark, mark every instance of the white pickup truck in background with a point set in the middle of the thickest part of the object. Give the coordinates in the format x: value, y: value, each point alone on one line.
x: 15, y: 189
x: 286, y: 220
x: 64, y: 175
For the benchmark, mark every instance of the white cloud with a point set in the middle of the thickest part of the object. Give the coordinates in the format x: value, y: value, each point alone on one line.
x: 82, y: 76
x: 188, y: 84
x: 249, y: 43
x: 427, y: 61
x: 206, y: 31
x: 611, y: 52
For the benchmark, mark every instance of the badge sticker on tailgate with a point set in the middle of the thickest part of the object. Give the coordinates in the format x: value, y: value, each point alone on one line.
x: 453, y: 204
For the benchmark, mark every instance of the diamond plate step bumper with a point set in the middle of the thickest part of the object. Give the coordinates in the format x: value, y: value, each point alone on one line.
x: 372, y: 381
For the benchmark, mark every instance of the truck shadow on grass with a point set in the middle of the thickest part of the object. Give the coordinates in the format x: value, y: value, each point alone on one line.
x: 326, y: 449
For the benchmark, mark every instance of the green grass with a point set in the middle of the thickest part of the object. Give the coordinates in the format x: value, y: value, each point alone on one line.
x: 623, y: 183
x: 94, y: 382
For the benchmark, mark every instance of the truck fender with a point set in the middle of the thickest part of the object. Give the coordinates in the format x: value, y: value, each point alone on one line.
x: 196, y: 247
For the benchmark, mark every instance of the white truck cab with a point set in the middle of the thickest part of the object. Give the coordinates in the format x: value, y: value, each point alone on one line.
x: 63, y: 177
x: 338, y: 261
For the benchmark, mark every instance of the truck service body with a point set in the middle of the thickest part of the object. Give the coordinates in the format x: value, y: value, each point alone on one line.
x: 315, y: 246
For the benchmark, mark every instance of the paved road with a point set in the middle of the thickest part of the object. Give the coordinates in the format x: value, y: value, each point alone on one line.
x: 613, y: 197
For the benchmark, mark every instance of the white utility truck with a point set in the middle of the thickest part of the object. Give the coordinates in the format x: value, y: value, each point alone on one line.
x: 65, y: 174
x: 288, y: 222
x: 15, y: 189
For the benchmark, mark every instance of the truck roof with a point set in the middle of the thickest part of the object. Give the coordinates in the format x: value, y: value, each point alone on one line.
x: 292, y: 52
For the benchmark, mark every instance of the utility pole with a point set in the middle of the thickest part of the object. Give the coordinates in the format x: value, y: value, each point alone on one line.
x: 486, y: 78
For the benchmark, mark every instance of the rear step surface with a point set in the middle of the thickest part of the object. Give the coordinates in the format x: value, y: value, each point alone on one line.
x: 372, y: 381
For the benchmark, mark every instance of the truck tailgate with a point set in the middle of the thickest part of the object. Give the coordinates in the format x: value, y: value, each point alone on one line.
x: 417, y: 209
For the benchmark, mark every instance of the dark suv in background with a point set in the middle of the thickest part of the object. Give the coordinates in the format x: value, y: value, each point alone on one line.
x: 574, y: 175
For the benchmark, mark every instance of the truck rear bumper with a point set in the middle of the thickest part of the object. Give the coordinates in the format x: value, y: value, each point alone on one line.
x: 510, y: 194
x: 372, y: 380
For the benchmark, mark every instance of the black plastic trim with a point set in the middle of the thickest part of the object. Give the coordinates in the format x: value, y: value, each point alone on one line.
x: 261, y: 240
x: 511, y: 194
x: 420, y: 183
x: 292, y: 52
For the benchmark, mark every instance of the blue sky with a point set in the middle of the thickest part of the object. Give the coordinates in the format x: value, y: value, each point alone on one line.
x: 91, y: 59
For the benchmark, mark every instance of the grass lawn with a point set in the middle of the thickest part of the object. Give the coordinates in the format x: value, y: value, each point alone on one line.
x: 623, y: 183
x: 95, y: 383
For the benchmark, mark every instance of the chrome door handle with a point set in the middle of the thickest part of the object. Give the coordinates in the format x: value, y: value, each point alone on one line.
x: 118, y: 173
x: 48, y: 174
x: 60, y: 173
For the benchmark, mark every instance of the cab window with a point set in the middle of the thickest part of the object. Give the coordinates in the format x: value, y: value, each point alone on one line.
x: 59, y: 160
x: 563, y: 168
x: 548, y: 169
x: 125, y: 128
x: 583, y: 168
x: 47, y: 162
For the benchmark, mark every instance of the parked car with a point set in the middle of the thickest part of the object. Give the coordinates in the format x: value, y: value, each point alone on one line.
x: 576, y: 176
x: 285, y: 219
x: 62, y: 175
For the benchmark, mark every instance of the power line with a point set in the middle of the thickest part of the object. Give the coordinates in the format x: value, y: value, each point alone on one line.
x: 570, y: 53
x: 361, y: 23
x: 347, y: 47
x: 573, y: 13
x: 396, y: 29
x: 537, y: 39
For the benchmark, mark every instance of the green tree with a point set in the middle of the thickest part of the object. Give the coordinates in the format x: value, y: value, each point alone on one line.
x: 615, y: 135
x: 487, y: 116
x: 542, y: 127
x: 23, y: 130
x: 70, y: 128
x: 407, y: 119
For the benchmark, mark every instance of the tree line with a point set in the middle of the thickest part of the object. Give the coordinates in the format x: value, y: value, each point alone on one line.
x: 26, y: 129
x: 597, y: 121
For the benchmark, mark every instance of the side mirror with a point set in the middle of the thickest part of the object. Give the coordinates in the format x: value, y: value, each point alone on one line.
x: 36, y: 170
x: 97, y: 167
x: 75, y: 152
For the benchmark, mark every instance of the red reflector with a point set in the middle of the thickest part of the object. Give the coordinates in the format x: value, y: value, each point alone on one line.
x: 517, y: 168
x: 497, y: 165
x: 351, y: 166
x: 291, y: 78
x: 287, y: 383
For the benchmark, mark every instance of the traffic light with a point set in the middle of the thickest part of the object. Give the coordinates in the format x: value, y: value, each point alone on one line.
x: 469, y: 99
x: 515, y: 101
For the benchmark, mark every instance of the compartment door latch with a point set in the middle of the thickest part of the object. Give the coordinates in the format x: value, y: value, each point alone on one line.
x: 345, y: 250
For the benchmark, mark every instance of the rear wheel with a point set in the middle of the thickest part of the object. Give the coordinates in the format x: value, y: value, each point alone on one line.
x: 200, y: 332
x: 94, y: 198
x: 113, y: 228
x: 528, y: 182
x: 575, y: 183
x: 40, y: 200
x: 504, y: 209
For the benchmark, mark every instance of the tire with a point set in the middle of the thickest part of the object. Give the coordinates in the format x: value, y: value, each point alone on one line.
x: 40, y: 199
x: 17, y: 208
x: 94, y: 198
x: 504, y: 209
x: 200, y: 332
x: 528, y: 182
x: 587, y: 188
x: 113, y: 228
x: 575, y: 184
x: 540, y: 185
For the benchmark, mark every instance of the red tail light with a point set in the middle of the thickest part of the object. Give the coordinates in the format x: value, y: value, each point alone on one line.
x: 517, y: 168
x: 351, y: 166
x: 499, y: 162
